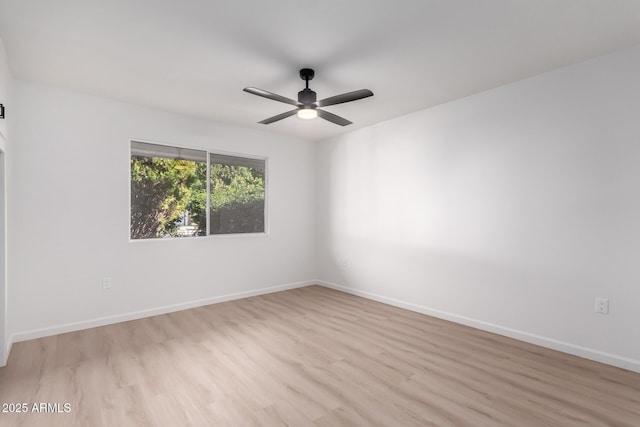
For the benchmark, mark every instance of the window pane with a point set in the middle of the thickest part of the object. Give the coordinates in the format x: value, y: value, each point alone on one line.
x: 237, y: 194
x: 168, y: 191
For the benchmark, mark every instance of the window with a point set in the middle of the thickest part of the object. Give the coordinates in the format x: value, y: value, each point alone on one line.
x: 172, y: 189
x: 237, y: 194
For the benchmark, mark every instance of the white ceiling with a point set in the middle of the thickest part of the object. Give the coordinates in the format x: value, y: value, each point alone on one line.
x: 195, y: 56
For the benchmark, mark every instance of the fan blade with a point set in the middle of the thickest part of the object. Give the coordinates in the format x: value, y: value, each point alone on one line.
x: 333, y: 118
x: 269, y: 95
x: 345, y: 97
x: 279, y: 117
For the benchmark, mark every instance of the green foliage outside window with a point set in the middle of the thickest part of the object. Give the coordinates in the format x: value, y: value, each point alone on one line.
x: 164, y: 191
x: 237, y: 199
x: 161, y: 190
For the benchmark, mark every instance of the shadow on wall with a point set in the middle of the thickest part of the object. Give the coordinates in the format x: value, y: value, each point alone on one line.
x: 533, y: 299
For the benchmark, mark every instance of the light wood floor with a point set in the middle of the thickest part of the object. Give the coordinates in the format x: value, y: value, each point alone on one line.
x: 309, y: 356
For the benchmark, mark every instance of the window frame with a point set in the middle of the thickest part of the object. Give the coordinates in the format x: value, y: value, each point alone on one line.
x: 208, y: 189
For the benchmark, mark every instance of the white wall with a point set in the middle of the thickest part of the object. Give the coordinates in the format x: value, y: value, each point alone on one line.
x: 69, y: 216
x: 5, y: 82
x: 510, y: 210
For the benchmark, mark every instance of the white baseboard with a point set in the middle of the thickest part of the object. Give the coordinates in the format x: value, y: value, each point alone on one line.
x: 5, y: 356
x: 576, y: 350
x: 124, y: 317
x: 4, y: 353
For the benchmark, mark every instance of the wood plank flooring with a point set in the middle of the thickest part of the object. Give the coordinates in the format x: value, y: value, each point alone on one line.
x: 308, y: 357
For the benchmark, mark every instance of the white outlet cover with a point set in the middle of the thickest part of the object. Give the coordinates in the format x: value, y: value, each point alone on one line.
x: 602, y: 305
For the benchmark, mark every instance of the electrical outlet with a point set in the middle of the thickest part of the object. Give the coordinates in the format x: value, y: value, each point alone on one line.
x: 602, y: 305
x: 106, y: 283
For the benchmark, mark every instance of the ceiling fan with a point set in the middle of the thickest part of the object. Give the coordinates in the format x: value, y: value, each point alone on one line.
x: 307, y: 104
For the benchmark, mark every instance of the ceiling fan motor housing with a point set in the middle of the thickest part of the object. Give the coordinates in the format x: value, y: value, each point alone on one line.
x: 307, y: 97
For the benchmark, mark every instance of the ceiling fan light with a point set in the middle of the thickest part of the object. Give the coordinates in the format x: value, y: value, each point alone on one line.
x: 307, y: 113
